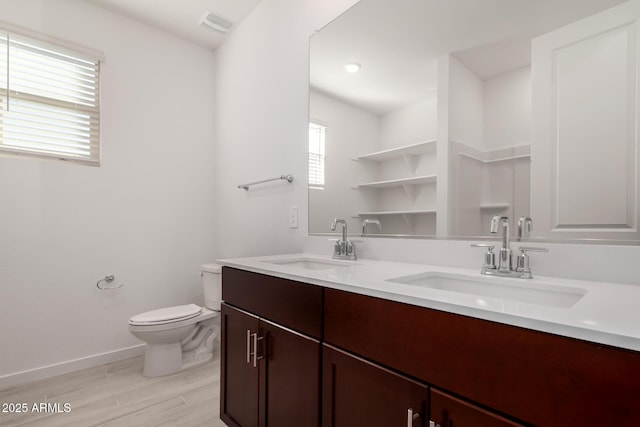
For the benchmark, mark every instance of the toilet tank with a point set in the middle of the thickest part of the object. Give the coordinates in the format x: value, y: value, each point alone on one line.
x: 212, y: 284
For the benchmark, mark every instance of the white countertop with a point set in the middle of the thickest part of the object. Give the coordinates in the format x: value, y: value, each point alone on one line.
x: 608, y: 313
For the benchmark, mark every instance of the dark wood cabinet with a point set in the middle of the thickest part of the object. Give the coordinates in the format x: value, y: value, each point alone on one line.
x: 334, y: 358
x: 359, y: 393
x: 532, y: 376
x: 270, y: 373
x: 449, y: 411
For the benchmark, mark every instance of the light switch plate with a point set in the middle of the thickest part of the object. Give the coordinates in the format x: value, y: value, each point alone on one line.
x: 293, y: 217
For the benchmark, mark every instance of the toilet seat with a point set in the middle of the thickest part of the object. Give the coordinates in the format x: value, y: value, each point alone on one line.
x: 166, y: 315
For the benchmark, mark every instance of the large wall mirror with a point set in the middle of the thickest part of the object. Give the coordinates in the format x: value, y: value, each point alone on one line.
x: 455, y: 111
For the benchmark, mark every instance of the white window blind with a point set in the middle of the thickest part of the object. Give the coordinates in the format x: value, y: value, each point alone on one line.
x: 316, y: 155
x: 49, y: 100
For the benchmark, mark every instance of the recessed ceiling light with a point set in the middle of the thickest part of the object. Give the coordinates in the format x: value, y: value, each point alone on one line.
x: 352, y: 67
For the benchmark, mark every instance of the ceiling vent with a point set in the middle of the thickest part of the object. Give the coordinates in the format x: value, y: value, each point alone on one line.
x: 216, y: 22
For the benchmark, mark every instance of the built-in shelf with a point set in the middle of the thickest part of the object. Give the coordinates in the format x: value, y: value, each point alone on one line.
x: 418, y: 180
x: 418, y: 149
x: 412, y: 156
x: 409, y: 216
x: 518, y: 152
x: 407, y: 212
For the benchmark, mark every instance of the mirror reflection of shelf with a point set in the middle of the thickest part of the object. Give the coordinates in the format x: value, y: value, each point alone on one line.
x: 408, y: 216
x: 492, y: 156
x: 407, y: 212
x: 428, y: 179
x: 407, y: 169
x: 417, y: 149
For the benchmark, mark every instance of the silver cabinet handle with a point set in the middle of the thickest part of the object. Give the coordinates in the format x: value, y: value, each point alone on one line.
x: 253, y: 339
x: 254, y: 353
x: 411, y: 417
x: 248, y: 346
x: 255, y: 350
x: 432, y: 424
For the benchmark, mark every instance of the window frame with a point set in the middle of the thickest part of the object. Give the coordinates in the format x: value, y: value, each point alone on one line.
x: 320, y: 161
x: 42, y: 109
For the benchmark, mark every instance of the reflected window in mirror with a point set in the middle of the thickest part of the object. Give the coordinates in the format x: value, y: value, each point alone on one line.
x: 317, y: 132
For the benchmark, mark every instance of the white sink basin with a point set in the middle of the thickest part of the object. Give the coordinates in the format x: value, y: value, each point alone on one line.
x: 311, y: 263
x: 518, y: 290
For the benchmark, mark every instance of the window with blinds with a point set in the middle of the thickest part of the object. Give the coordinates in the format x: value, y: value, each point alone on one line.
x: 49, y: 100
x: 316, y: 155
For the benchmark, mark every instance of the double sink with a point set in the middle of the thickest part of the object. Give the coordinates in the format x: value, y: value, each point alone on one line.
x: 528, y: 291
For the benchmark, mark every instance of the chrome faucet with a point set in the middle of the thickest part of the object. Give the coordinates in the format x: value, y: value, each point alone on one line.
x: 335, y: 223
x: 343, y: 249
x: 505, y: 265
x: 370, y: 221
x: 504, y: 257
x: 525, y: 225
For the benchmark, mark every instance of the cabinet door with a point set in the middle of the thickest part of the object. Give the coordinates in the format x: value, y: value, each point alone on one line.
x: 238, y: 376
x: 448, y: 411
x: 358, y: 393
x: 290, y: 372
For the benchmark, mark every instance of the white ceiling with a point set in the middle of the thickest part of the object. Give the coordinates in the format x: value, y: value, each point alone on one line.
x: 181, y: 17
x: 398, y: 42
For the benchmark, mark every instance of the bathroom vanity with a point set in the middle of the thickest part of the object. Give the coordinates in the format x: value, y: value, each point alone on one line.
x: 312, y: 341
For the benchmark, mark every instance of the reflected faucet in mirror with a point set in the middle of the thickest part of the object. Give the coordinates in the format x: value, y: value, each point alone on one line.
x: 525, y: 225
x: 343, y: 249
x: 370, y: 221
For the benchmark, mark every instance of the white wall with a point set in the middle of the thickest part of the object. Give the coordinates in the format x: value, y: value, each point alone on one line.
x: 507, y: 109
x: 409, y: 125
x: 262, y: 130
x: 466, y: 105
x: 146, y: 215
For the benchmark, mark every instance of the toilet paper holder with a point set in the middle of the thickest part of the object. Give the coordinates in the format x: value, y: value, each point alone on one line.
x: 100, y: 284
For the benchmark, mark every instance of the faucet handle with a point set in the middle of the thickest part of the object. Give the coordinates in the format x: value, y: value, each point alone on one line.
x: 489, y: 256
x: 522, y: 263
x: 525, y: 249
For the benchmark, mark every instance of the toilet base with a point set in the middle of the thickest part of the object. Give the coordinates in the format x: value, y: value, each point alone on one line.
x: 166, y: 359
x: 162, y: 359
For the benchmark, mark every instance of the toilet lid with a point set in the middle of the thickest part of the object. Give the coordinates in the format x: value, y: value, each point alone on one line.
x: 168, y: 314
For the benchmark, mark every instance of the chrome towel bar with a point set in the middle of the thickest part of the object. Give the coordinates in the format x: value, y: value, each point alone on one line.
x: 288, y: 178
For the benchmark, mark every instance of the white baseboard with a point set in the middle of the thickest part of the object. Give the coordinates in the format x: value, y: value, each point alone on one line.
x: 18, y: 378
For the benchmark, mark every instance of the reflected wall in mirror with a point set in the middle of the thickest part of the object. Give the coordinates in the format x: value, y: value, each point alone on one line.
x: 466, y: 109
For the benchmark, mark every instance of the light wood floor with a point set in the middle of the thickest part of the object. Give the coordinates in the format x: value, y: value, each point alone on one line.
x: 117, y: 394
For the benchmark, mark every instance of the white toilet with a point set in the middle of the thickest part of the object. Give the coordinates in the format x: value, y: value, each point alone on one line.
x: 182, y: 336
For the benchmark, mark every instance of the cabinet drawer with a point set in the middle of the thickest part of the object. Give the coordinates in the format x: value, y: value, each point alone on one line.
x: 541, y: 378
x: 296, y: 305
